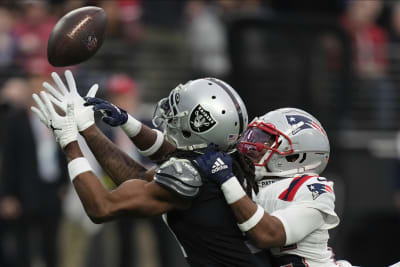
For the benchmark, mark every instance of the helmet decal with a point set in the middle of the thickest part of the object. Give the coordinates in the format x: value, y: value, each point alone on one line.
x: 201, y: 120
x: 307, y: 123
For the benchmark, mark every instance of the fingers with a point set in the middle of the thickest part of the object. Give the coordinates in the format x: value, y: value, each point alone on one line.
x: 211, y: 148
x: 93, y: 90
x: 59, y: 83
x: 57, y: 102
x: 40, y: 115
x: 49, y: 106
x: 53, y: 91
x: 41, y: 106
x: 109, y: 120
x: 90, y: 101
x: 87, y: 101
x: 70, y: 81
x: 101, y: 106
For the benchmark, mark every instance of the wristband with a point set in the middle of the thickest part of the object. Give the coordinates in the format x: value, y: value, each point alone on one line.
x: 78, y: 166
x: 132, y: 126
x: 232, y: 190
x: 155, y: 147
x: 253, y: 220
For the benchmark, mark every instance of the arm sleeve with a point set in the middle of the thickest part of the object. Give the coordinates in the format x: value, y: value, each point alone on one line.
x: 299, y: 221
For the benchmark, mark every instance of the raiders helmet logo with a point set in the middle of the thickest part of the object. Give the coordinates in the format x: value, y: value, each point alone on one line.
x: 200, y: 120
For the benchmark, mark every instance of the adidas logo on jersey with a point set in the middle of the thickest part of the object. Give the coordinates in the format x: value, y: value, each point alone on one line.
x: 218, y: 165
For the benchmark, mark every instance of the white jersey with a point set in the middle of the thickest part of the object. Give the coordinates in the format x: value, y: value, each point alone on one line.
x: 289, y: 196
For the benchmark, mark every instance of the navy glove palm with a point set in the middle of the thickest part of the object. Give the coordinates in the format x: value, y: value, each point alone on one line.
x: 215, y: 165
x: 112, y: 115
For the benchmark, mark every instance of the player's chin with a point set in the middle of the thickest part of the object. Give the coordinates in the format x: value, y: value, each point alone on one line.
x: 254, y: 155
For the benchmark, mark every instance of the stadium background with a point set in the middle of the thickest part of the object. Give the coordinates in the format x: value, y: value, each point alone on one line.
x: 311, y: 55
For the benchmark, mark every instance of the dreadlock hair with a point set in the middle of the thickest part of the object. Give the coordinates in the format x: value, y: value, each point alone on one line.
x: 242, y: 167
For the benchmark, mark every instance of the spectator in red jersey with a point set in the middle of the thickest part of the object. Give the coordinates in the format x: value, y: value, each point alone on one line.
x: 370, y: 60
x: 369, y: 40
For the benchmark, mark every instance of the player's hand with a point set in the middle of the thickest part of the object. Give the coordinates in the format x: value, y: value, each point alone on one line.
x: 63, y: 127
x: 83, y: 115
x: 112, y: 115
x: 215, y: 165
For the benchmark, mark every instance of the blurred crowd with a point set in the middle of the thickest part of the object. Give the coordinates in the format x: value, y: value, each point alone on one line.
x: 41, y: 221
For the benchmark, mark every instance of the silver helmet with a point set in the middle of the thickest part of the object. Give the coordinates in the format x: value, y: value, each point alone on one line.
x: 286, y: 142
x: 202, y: 112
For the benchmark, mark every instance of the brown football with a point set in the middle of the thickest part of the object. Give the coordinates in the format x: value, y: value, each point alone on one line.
x: 77, y: 36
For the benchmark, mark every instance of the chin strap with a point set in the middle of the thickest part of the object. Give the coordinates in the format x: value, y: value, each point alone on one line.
x: 262, y: 172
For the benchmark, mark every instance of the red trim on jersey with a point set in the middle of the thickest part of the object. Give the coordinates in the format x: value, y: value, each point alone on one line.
x: 290, y: 192
x: 305, y: 263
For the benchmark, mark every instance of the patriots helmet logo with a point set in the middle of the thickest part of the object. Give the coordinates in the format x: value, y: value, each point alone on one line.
x: 318, y: 189
x: 308, y: 123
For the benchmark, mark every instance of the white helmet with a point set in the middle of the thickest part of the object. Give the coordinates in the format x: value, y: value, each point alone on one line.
x: 286, y: 142
x: 202, y: 112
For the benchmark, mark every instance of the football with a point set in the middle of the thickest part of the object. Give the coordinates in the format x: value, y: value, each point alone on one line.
x: 77, y: 36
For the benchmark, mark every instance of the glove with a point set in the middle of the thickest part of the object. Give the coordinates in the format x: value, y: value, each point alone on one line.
x: 83, y: 115
x: 215, y: 165
x: 112, y: 115
x: 63, y: 127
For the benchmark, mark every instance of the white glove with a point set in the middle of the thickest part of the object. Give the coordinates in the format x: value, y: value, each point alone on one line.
x: 83, y: 115
x: 63, y: 127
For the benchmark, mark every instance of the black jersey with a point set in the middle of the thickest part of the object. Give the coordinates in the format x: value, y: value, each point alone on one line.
x: 208, y: 232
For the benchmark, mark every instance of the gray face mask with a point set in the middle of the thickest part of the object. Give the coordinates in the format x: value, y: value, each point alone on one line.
x: 161, y: 113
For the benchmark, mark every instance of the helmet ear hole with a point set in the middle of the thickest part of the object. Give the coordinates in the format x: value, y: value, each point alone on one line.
x: 292, y: 158
x: 186, y: 134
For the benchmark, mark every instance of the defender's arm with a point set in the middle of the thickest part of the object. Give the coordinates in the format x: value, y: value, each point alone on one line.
x: 268, y: 232
x: 282, y: 227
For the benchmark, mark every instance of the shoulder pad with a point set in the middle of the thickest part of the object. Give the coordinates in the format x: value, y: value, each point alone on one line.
x: 180, y: 176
